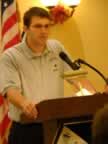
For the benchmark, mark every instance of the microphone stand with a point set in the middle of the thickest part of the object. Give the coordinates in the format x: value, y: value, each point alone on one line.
x: 80, y: 61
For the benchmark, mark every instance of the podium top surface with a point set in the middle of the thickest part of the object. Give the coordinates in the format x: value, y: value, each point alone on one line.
x: 70, y: 107
x: 76, y: 73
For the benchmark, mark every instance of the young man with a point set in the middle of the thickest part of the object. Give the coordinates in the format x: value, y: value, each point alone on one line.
x: 31, y: 72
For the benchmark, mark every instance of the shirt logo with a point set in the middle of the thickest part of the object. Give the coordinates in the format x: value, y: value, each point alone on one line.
x: 55, y: 67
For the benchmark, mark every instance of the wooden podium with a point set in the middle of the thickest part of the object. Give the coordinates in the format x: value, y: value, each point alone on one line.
x: 54, y: 113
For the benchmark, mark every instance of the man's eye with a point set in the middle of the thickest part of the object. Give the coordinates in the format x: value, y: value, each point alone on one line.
x: 38, y: 26
x: 47, y: 26
x: 42, y: 26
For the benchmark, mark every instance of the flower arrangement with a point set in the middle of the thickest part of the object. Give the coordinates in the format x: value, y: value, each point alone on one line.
x: 60, y: 13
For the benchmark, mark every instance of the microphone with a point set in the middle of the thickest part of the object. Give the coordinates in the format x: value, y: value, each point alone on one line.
x: 77, y: 64
x: 73, y: 65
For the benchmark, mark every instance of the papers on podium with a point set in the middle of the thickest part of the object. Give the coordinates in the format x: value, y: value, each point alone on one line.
x: 74, y: 74
x: 69, y: 137
x: 79, y: 82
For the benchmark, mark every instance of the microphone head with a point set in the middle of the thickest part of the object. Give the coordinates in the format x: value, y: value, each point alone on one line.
x: 73, y: 65
x: 63, y: 56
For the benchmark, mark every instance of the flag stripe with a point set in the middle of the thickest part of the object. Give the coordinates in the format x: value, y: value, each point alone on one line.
x: 9, y: 35
x: 1, y: 100
x: 9, y: 23
x: 3, y: 140
x: 14, y: 41
x: 3, y: 126
x: 8, y: 12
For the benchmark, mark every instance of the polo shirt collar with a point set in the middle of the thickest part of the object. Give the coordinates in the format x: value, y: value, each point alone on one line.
x: 30, y: 54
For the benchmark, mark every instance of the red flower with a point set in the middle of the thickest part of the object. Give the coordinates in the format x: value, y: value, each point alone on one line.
x: 60, y: 13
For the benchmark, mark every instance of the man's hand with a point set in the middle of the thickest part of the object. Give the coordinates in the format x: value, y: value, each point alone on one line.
x: 29, y: 110
x: 28, y: 107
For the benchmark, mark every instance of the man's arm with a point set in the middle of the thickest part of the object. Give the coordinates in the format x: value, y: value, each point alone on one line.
x: 27, y: 107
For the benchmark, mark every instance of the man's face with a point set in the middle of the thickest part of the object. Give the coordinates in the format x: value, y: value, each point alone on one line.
x: 38, y: 30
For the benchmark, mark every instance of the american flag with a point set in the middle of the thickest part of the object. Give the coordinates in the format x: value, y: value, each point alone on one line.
x: 9, y: 36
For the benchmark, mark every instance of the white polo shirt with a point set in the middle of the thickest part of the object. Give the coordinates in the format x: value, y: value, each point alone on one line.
x: 37, y: 77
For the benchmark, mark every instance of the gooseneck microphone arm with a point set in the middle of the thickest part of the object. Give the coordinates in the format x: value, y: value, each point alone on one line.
x: 80, y: 61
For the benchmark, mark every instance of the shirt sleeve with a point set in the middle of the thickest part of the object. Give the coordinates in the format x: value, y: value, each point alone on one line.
x: 9, y: 75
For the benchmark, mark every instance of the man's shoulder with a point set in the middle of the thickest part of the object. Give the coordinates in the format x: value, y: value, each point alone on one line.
x: 11, y: 52
x: 12, y: 49
x: 54, y: 42
x: 55, y: 45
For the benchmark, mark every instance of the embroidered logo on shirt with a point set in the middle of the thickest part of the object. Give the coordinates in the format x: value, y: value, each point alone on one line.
x: 55, y: 67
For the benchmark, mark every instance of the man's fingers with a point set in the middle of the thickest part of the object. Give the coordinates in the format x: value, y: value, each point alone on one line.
x: 30, y: 110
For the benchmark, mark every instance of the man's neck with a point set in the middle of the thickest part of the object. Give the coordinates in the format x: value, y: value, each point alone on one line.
x: 36, y: 48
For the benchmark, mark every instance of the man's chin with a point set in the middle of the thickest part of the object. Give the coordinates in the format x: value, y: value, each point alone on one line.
x: 43, y: 41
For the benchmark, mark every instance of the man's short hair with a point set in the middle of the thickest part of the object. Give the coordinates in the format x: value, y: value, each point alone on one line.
x: 35, y: 11
x: 100, y: 126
